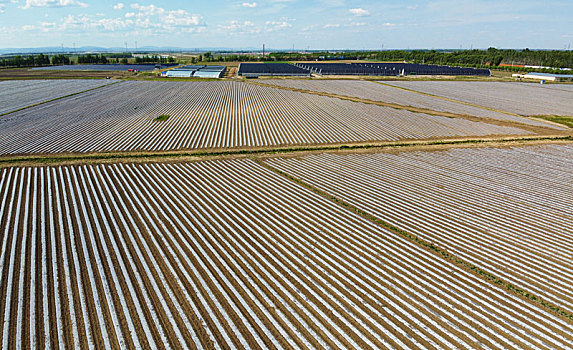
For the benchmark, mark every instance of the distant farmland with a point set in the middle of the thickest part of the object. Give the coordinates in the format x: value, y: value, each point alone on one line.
x: 379, y: 92
x: 524, y: 99
x: 225, y: 254
x: 122, y: 117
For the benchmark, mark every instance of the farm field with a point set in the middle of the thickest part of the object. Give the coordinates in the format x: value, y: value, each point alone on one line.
x: 222, y: 254
x: 16, y: 94
x: 505, y: 210
x: 523, y: 99
x: 202, y: 115
x: 563, y: 87
x: 378, y: 92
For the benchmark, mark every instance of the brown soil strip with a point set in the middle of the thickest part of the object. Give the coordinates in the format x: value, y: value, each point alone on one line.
x: 152, y: 322
x: 166, y: 323
x: 237, y: 319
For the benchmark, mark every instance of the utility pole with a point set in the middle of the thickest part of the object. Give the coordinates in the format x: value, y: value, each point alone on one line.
x: 136, y: 46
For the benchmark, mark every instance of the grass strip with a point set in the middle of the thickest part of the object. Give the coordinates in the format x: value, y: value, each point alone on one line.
x: 559, y: 119
x: 162, y: 117
x: 40, y: 160
x: 58, y: 98
x: 430, y: 246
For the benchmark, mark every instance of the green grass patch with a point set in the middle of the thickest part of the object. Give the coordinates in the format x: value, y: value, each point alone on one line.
x: 162, y: 118
x: 563, y: 120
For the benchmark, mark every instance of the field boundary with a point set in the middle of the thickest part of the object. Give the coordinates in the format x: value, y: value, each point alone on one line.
x: 58, y: 98
x: 475, y: 270
x: 36, y: 160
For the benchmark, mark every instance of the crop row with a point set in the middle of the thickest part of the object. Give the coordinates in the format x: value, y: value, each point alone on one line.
x: 16, y: 94
x: 229, y: 254
x: 524, y: 99
x: 383, y: 93
x: 507, y: 211
x: 121, y: 117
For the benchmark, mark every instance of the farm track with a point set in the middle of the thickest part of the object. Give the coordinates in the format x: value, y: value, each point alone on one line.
x: 17, y: 95
x: 393, y: 95
x: 179, y: 156
x: 221, y: 254
x: 518, y: 98
x: 214, y: 115
x: 506, y: 211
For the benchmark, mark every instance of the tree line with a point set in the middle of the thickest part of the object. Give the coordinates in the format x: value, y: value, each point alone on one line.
x: 154, y: 59
x: 33, y: 61
x: 491, y: 57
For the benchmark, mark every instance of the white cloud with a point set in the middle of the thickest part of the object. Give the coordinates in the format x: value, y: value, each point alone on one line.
x: 245, y: 27
x: 248, y: 27
x: 52, y: 3
x: 2, y: 8
x: 87, y: 23
x: 271, y: 26
x: 150, y: 10
x: 360, y: 12
x: 170, y: 18
x: 355, y: 24
x: 42, y: 26
x: 249, y: 4
x: 412, y: 8
x: 145, y: 20
x: 309, y: 28
x: 330, y: 25
x: 182, y: 18
x: 118, y: 6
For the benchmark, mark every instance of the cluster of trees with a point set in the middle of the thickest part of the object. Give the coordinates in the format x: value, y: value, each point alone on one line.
x: 119, y: 55
x: 489, y: 57
x: 154, y: 59
x: 92, y: 59
x: 33, y: 61
x: 61, y: 59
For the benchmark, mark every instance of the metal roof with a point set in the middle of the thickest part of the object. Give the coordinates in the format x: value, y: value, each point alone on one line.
x: 180, y: 73
x: 207, y: 74
x: 566, y: 76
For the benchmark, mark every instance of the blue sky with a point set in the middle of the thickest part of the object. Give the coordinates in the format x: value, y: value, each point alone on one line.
x: 321, y: 24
